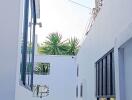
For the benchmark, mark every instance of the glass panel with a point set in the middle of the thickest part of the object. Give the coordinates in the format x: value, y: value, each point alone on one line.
x: 76, y: 91
x: 97, y: 79
x: 77, y: 70
x: 108, y: 76
x: 81, y: 90
x: 29, y: 47
x: 104, y: 76
x: 100, y: 78
x: 24, y: 44
x: 113, y: 74
x: 27, y: 51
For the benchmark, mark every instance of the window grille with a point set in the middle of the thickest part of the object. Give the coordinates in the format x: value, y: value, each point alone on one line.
x: 105, y: 76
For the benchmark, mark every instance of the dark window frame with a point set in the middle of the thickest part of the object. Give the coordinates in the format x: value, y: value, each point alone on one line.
x: 81, y: 90
x: 77, y: 70
x: 23, y: 64
x: 105, y: 82
x: 77, y: 91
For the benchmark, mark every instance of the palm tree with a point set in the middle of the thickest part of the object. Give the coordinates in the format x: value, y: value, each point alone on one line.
x: 54, y: 45
x: 73, y: 46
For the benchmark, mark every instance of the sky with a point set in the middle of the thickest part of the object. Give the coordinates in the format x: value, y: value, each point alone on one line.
x: 64, y: 17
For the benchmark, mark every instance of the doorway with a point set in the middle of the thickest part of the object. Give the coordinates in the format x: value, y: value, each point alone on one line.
x: 125, y: 67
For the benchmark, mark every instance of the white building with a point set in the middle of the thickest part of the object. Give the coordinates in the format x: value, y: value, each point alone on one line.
x: 105, y: 57
x: 61, y: 79
x: 104, y: 60
x: 16, y: 20
x: 9, y: 29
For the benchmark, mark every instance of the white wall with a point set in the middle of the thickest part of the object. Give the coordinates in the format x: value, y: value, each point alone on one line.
x: 9, y: 30
x: 113, y: 21
x: 125, y: 62
x: 128, y: 70
x: 61, y: 80
x: 62, y: 77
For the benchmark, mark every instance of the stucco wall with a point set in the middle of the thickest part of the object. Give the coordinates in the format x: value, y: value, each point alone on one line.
x: 9, y: 30
x: 128, y: 70
x: 112, y: 23
x: 61, y: 80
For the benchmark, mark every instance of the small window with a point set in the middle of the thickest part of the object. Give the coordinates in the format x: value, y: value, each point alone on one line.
x: 42, y: 68
x: 76, y: 91
x: 77, y: 70
x: 81, y: 90
x: 105, y: 77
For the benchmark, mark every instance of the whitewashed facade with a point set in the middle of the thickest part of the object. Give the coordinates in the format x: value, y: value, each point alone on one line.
x: 9, y: 30
x: 61, y: 79
x: 112, y: 29
x: 12, y: 27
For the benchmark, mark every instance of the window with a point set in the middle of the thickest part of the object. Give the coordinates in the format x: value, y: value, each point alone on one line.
x: 77, y: 70
x: 105, y: 77
x: 42, y: 68
x: 81, y: 90
x: 76, y: 91
x: 27, y: 46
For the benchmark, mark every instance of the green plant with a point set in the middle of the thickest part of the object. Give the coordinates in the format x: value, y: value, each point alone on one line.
x: 55, y: 46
